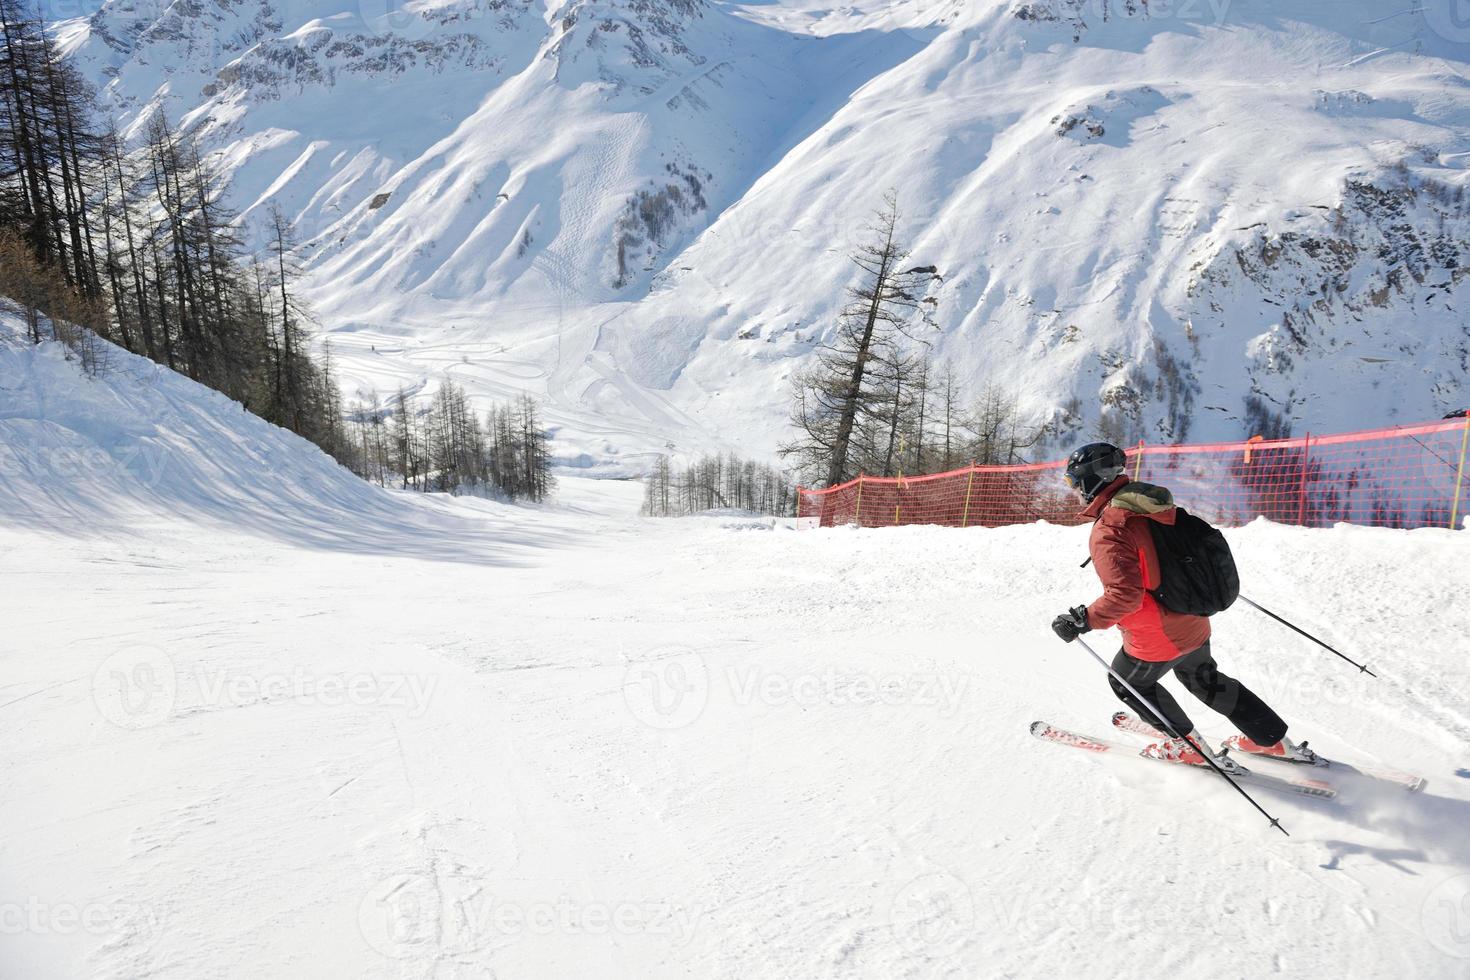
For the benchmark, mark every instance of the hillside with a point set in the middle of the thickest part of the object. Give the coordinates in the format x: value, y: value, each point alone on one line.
x: 258, y: 719
x: 1183, y: 222
x: 139, y: 446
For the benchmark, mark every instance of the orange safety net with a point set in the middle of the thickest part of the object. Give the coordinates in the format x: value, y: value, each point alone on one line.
x: 1405, y: 477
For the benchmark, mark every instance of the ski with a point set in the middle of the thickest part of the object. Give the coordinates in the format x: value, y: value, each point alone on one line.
x: 1132, y: 723
x: 1314, y: 788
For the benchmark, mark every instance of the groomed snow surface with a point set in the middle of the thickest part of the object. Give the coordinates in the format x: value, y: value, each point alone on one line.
x: 297, y: 727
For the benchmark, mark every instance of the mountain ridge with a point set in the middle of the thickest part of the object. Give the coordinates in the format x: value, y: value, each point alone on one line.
x: 1151, y: 225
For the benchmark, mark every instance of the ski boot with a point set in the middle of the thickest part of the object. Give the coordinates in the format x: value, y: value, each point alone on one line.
x: 1286, y: 750
x: 1179, y: 750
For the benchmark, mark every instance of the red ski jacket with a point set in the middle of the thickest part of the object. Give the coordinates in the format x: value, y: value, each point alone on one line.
x: 1123, y: 554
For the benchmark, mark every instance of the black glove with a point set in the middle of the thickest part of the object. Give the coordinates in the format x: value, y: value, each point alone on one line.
x: 1072, y: 624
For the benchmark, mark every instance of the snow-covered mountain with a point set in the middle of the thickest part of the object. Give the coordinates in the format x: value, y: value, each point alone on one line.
x: 1197, y: 220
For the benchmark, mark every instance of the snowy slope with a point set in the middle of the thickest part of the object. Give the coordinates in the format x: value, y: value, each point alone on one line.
x: 1202, y: 220
x: 260, y: 719
x: 139, y: 445
x: 697, y: 748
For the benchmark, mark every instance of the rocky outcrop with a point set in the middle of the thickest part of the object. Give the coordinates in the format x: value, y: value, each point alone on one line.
x: 1393, y: 247
x: 652, y: 218
x: 627, y: 45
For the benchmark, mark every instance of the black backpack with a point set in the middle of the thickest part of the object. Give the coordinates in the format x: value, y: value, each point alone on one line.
x: 1197, y: 573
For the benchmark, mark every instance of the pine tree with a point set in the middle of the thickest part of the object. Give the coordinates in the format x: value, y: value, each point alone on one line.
x: 716, y: 481
x: 999, y: 434
x: 137, y: 245
x: 858, y: 376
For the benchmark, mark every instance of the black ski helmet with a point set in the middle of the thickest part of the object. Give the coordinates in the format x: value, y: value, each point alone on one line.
x: 1091, y: 468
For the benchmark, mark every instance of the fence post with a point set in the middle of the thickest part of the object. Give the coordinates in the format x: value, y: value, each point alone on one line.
x: 898, y: 498
x: 860, y: 501
x: 1138, y: 461
x: 1250, y: 442
x: 970, y: 483
x: 1301, y: 505
x: 1460, y: 475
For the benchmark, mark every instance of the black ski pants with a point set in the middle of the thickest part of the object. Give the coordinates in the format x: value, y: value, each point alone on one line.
x: 1202, y: 677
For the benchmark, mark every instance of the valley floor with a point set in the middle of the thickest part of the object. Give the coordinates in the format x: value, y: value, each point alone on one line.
x: 593, y: 745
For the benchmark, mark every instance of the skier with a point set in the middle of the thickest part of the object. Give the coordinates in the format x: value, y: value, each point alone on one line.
x: 1156, y: 640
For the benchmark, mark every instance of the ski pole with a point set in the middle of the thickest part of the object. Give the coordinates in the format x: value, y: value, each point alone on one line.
x: 1179, y: 735
x: 1292, y: 626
